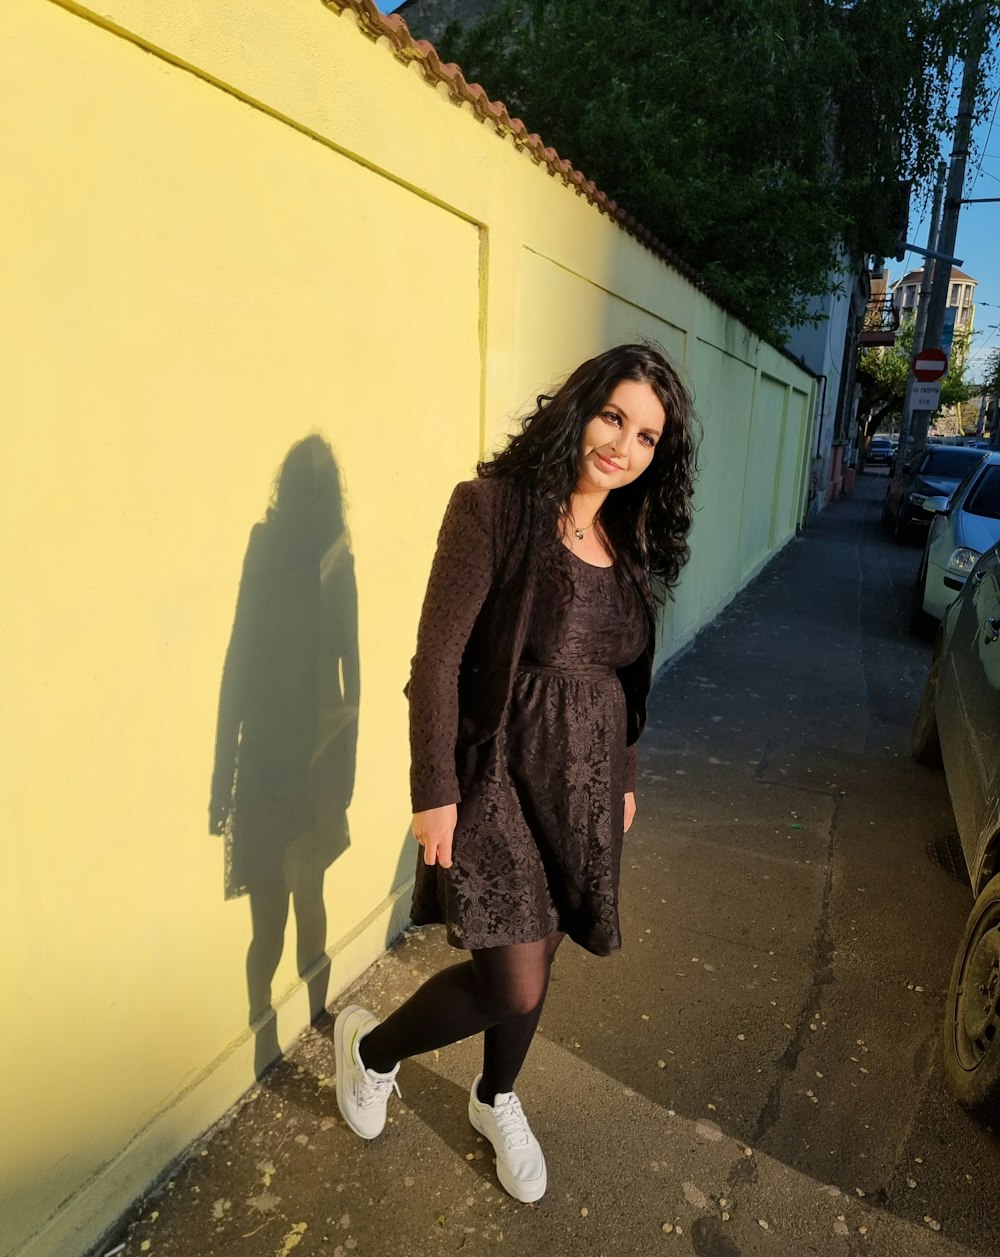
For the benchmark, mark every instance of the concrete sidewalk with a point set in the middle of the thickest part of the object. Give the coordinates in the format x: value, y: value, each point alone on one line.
x: 758, y: 1071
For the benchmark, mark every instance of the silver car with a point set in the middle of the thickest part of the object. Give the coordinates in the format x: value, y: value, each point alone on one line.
x: 958, y: 725
x: 964, y: 526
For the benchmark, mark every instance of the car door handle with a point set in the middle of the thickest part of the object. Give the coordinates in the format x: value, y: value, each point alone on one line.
x: 992, y: 630
x: 977, y: 577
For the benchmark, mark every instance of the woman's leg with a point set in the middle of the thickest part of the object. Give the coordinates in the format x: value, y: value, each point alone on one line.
x: 498, y: 985
x: 305, y: 876
x: 506, y: 1045
x: 268, y: 914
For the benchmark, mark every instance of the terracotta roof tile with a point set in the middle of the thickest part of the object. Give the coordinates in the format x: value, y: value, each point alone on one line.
x: 405, y: 48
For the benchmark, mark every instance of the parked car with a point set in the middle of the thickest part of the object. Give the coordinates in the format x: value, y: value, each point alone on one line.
x: 958, y: 726
x: 964, y: 526
x: 881, y: 450
x: 935, y: 473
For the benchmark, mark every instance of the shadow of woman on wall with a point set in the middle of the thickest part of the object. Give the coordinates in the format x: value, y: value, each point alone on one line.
x: 286, y: 740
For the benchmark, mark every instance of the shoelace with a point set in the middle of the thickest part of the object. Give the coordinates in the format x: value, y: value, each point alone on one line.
x: 511, y: 1122
x: 376, y: 1090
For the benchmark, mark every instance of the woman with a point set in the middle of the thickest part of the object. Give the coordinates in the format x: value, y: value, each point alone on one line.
x: 527, y: 694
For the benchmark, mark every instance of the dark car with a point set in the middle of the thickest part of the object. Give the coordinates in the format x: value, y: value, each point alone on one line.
x: 881, y: 450
x: 958, y: 725
x: 936, y: 472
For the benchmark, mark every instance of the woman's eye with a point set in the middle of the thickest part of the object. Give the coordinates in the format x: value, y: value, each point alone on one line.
x: 610, y: 417
x: 644, y: 436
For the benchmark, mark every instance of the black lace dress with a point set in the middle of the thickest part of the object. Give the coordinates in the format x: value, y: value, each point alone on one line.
x: 538, y: 843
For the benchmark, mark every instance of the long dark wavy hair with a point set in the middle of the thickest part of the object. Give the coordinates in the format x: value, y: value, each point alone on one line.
x: 645, y: 523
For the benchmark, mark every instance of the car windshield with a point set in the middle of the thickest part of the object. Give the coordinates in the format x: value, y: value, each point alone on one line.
x: 985, y: 497
x: 948, y: 463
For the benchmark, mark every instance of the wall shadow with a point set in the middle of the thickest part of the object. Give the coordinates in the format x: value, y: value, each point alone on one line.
x: 286, y: 741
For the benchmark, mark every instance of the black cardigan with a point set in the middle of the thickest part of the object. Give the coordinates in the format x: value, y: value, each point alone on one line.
x: 472, y: 630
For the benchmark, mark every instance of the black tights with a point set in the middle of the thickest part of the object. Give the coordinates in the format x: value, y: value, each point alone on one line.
x: 500, y: 991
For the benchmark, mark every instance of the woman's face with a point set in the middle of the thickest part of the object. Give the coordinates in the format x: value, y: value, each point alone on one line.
x: 618, y: 443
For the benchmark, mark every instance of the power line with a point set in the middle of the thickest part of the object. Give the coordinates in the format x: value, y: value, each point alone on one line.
x: 989, y: 133
x: 996, y: 102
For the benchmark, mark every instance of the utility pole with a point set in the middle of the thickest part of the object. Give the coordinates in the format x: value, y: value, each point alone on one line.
x: 930, y: 265
x: 948, y: 234
x: 923, y: 301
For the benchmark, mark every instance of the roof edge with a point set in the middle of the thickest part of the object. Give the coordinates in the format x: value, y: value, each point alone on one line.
x: 392, y: 27
x: 376, y: 25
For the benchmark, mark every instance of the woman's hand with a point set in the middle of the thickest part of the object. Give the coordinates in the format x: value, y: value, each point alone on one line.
x: 629, y: 810
x: 434, y: 830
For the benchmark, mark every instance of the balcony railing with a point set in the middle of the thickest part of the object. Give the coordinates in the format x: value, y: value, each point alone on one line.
x: 881, y: 323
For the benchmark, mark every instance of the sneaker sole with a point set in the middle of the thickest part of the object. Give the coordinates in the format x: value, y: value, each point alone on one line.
x: 340, y: 1058
x: 526, y: 1192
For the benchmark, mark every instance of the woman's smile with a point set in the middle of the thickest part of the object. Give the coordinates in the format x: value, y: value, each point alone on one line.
x: 628, y: 426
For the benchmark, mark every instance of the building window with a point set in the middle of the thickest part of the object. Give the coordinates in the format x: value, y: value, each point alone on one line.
x: 953, y: 299
x: 908, y: 292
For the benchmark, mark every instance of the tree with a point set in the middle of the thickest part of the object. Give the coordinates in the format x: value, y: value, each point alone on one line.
x: 991, y: 373
x: 991, y: 387
x: 882, y: 374
x: 753, y: 137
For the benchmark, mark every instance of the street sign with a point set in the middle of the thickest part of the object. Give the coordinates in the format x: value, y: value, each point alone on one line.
x: 948, y: 331
x: 929, y: 364
x: 925, y: 396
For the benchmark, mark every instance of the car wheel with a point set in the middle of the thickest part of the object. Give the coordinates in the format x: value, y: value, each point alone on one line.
x: 901, y: 525
x: 972, y: 1015
x: 921, y: 624
x: 925, y: 745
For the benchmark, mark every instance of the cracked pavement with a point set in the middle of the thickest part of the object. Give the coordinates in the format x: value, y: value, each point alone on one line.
x: 759, y: 1070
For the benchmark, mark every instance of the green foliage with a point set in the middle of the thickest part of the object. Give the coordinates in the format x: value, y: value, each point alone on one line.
x: 882, y: 374
x: 753, y: 137
x: 991, y: 373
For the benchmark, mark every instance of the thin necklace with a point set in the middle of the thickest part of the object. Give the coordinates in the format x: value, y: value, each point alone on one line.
x: 577, y: 530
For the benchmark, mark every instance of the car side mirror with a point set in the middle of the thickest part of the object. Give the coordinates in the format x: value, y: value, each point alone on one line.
x: 937, y: 506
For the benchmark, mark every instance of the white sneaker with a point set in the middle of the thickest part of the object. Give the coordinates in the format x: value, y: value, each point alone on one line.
x: 520, y: 1164
x: 362, y: 1095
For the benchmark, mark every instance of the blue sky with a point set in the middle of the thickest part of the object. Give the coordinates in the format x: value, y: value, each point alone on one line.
x: 388, y: 6
x: 978, y: 230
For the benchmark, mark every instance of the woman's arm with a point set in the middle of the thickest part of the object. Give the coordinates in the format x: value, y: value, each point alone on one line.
x: 461, y: 574
x: 630, y: 768
x: 630, y: 786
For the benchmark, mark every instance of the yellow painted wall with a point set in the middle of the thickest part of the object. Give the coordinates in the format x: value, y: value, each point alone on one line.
x: 226, y: 227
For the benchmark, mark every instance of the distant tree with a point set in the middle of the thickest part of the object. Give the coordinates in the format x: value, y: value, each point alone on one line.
x: 882, y: 374
x: 991, y: 373
x: 754, y: 137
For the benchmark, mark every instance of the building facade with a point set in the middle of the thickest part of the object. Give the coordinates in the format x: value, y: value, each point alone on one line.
x: 959, y: 314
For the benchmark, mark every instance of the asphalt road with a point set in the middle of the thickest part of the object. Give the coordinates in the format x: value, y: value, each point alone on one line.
x: 759, y: 1070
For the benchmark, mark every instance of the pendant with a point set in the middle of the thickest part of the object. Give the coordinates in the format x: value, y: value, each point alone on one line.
x: 579, y: 534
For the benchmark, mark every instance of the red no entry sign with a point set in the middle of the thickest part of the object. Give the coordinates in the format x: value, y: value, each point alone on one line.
x: 929, y: 364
